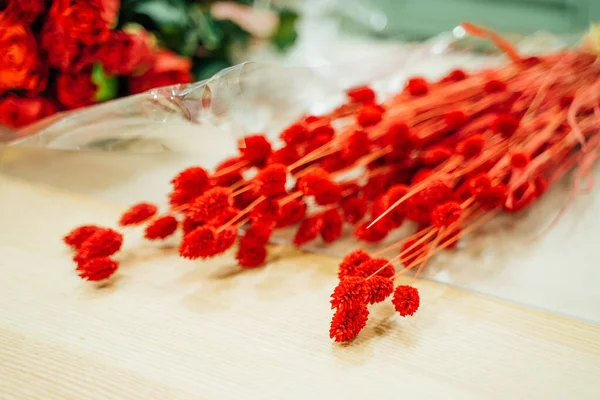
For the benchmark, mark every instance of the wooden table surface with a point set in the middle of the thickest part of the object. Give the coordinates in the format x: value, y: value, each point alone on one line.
x: 166, y: 328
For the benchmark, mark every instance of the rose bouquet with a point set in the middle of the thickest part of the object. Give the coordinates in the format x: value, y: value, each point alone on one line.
x: 67, y: 54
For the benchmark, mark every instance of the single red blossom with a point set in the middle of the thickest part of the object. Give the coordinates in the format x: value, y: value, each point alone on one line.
x: 421, y: 175
x: 462, y: 193
x: 212, y: 204
x: 505, y: 124
x: 406, y: 300
x: 471, y: 147
x: 25, y: 11
x: 224, y: 217
x: 19, y: 62
x: 310, y: 119
x: 137, y: 214
x: 189, y: 225
x: 324, y: 131
x: 348, y: 322
x: 494, y: 86
x: 309, y: 229
x: 335, y: 162
x: 411, y: 251
x: 79, y: 235
x: 249, y: 196
x: 291, y: 213
x: 200, y: 243
x: 493, y: 197
x: 267, y: 211
x: 378, y: 288
x: 229, y: 172
x: 255, y: 149
x: 519, y: 160
x: 446, y: 214
x: 287, y: 155
x: 357, y: 145
x: 225, y: 239
x: 294, y: 134
x: 332, y: 226
x: 127, y: 53
x: 349, y: 293
x: 421, y: 204
x: 327, y: 192
x: 479, y: 183
x: 374, y: 234
x: 306, y: 184
x: 361, y: 94
x: 397, y: 192
x: 350, y: 263
x: 98, y: 269
x: 61, y: 49
x: 456, y: 75
x: 259, y: 233
x: 369, y: 115
x: 435, y: 155
x: 251, y: 254
x: 17, y: 112
x: 271, y: 180
x: 375, y: 186
x: 417, y: 87
x: 102, y: 243
x: 85, y: 94
x: 161, y: 228
x: 188, y: 185
x: 354, y: 209
x: 86, y: 21
x: 455, y: 119
x: 376, y: 267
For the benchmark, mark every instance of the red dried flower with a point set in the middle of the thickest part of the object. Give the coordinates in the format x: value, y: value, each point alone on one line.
x: 256, y: 149
x: 455, y: 119
x: 419, y: 207
x: 519, y: 160
x: 267, y: 211
x: 505, y: 124
x: 161, y: 228
x: 291, y: 213
x: 137, y: 214
x: 307, y: 182
x: 435, y: 155
x: 294, y: 134
x: 271, y: 180
x: 102, y: 243
x: 456, y: 75
x: 25, y: 11
x: 494, y: 86
x: 400, y: 138
x: 326, y: 192
x: 406, y: 300
x: 380, y: 266
x: 251, y: 254
x: 189, y: 225
x: 471, y: 147
x: 493, y: 197
x: 369, y: 115
x: 348, y: 322
x: 332, y: 226
x: 234, y: 174
x: 286, y: 155
x: 259, y: 233
x: 479, y: 184
x: 374, y: 234
x: 421, y: 175
x: 200, y: 243
x: 225, y: 239
x: 354, y: 209
x: 309, y: 230
x: 98, y: 269
x: 357, y: 145
x: 349, y: 265
x: 378, y: 288
x: 349, y: 293
x: 396, y: 192
x: 446, y: 214
x: 79, y: 235
x: 361, y: 94
x: 417, y: 87
x: 214, y: 203
x: 189, y: 184
x: 320, y: 134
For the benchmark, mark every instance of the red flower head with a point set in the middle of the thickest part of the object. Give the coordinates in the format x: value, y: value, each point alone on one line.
x: 292, y: 213
x: 361, y: 94
x: 420, y: 206
x: 188, y: 184
x: 327, y: 192
x: 479, y: 184
x: 471, y: 147
x: 377, y: 266
x: 417, y: 87
x: 127, y: 53
x: 213, y: 204
x: 446, y: 214
x: 519, y: 160
x: 357, y: 145
x: 400, y: 138
x: 25, y: 11
x: 79, y: 235
x: 309, y: 230
x: 435, y: 155
x: 255, y: 149
x: 98, y: 269
x: 229, y: 172
x: 307, y: 183
x: 168, y: 69
x: 354, y: 209
x: 267, y: 211
x: 505, y: 124
x: 349, y: 265
x: 378, y: 289
x: 271, y: 180
x: 421, y: 175
x: 406, y: 300
x: 102, y: 243
x: 348, y: 322
x: 349, y: 293
x: 374, y: 234
x: 85, y: 94
x: 455, y: 119
x: 332, y: 226
x: 88, y: 21
x: 17, y: 112
x: 61, y: 49
x: 161, y: 228
x: 294, y: 134
x: 286, y: 155
x: 456, y: 75
x: 19, y: 61
x: 369, y: 115
x: 225, y: 239
x: 493, y: 197
x: 251, y: 254
x: 189, y: 225
x: 200, y: 243
x: 494, y: 86
x: 258, y: 233
x: 137, y: 214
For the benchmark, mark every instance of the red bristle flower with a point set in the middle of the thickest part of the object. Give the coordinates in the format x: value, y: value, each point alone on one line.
x: 247, y: 197
x: 400, y: 138
x: 189, y: 225
x: 370, y: 267
x: 407, y: 256
x: 354, y: 209
x: 456, y: 75
x: 267, y: 211
x: 161, y: 228
x: 271, y: 180
x: 348, y: 322
x: 455, y: 119
x: 361, y: 94
x: 419, y: 207
x: 294, y: 134
x: 200, y: 243
x: 435, y: 155
x: 493, y: 197
x: 327, y: 192
x: 396, y: 192
x: 378, y: 288
x: 349, y: 265
x: 307, y: 182
x: 479, y: 184
x: 224, y: 217
x: 471, y: 147
x: 375, y: 186
x: 259, y: 233
x: 229, y: 172
x: 505, y: 124
x: 406, y: 300
x: 255, y: 149
x: 212, y: 204
x: 417, y: 87
x: 225, y: 239
x: 323, y: 130
x: 103, y: 243
x: 349, y: 293
x: 446, y: 214
x: 251, y: 254
x: 332, y: 226
x: 494, y: 86
x: 519, y: 160
x: 286, y: 155
x: 357, y: 145
x: 79, y: 235
x: 421, y: 175
x: 98, y: 269
x: 369, y: 115
x: 188, y: 184
x: 310, y: 119
x: 137, y: 214
x: 309, y: 230
x: 374, y: 234
x: 291, y: 213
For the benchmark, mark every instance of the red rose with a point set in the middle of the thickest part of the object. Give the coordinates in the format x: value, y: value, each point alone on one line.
x: 26, y: 11
x: 61, y: 50
x: 18, y: 57
x: 88, y: 21
x: 168, y: 69
x: 16, y: 112
x: 75, y: 90
x: 126, y: 53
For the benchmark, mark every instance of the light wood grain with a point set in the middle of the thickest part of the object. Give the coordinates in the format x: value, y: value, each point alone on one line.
x: 171, y: 329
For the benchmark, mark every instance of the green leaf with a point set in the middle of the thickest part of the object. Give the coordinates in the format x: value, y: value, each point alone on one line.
x: 286, y: 34
x: 208, y: 30
x: 107, y: 85
x: 206, y: 68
